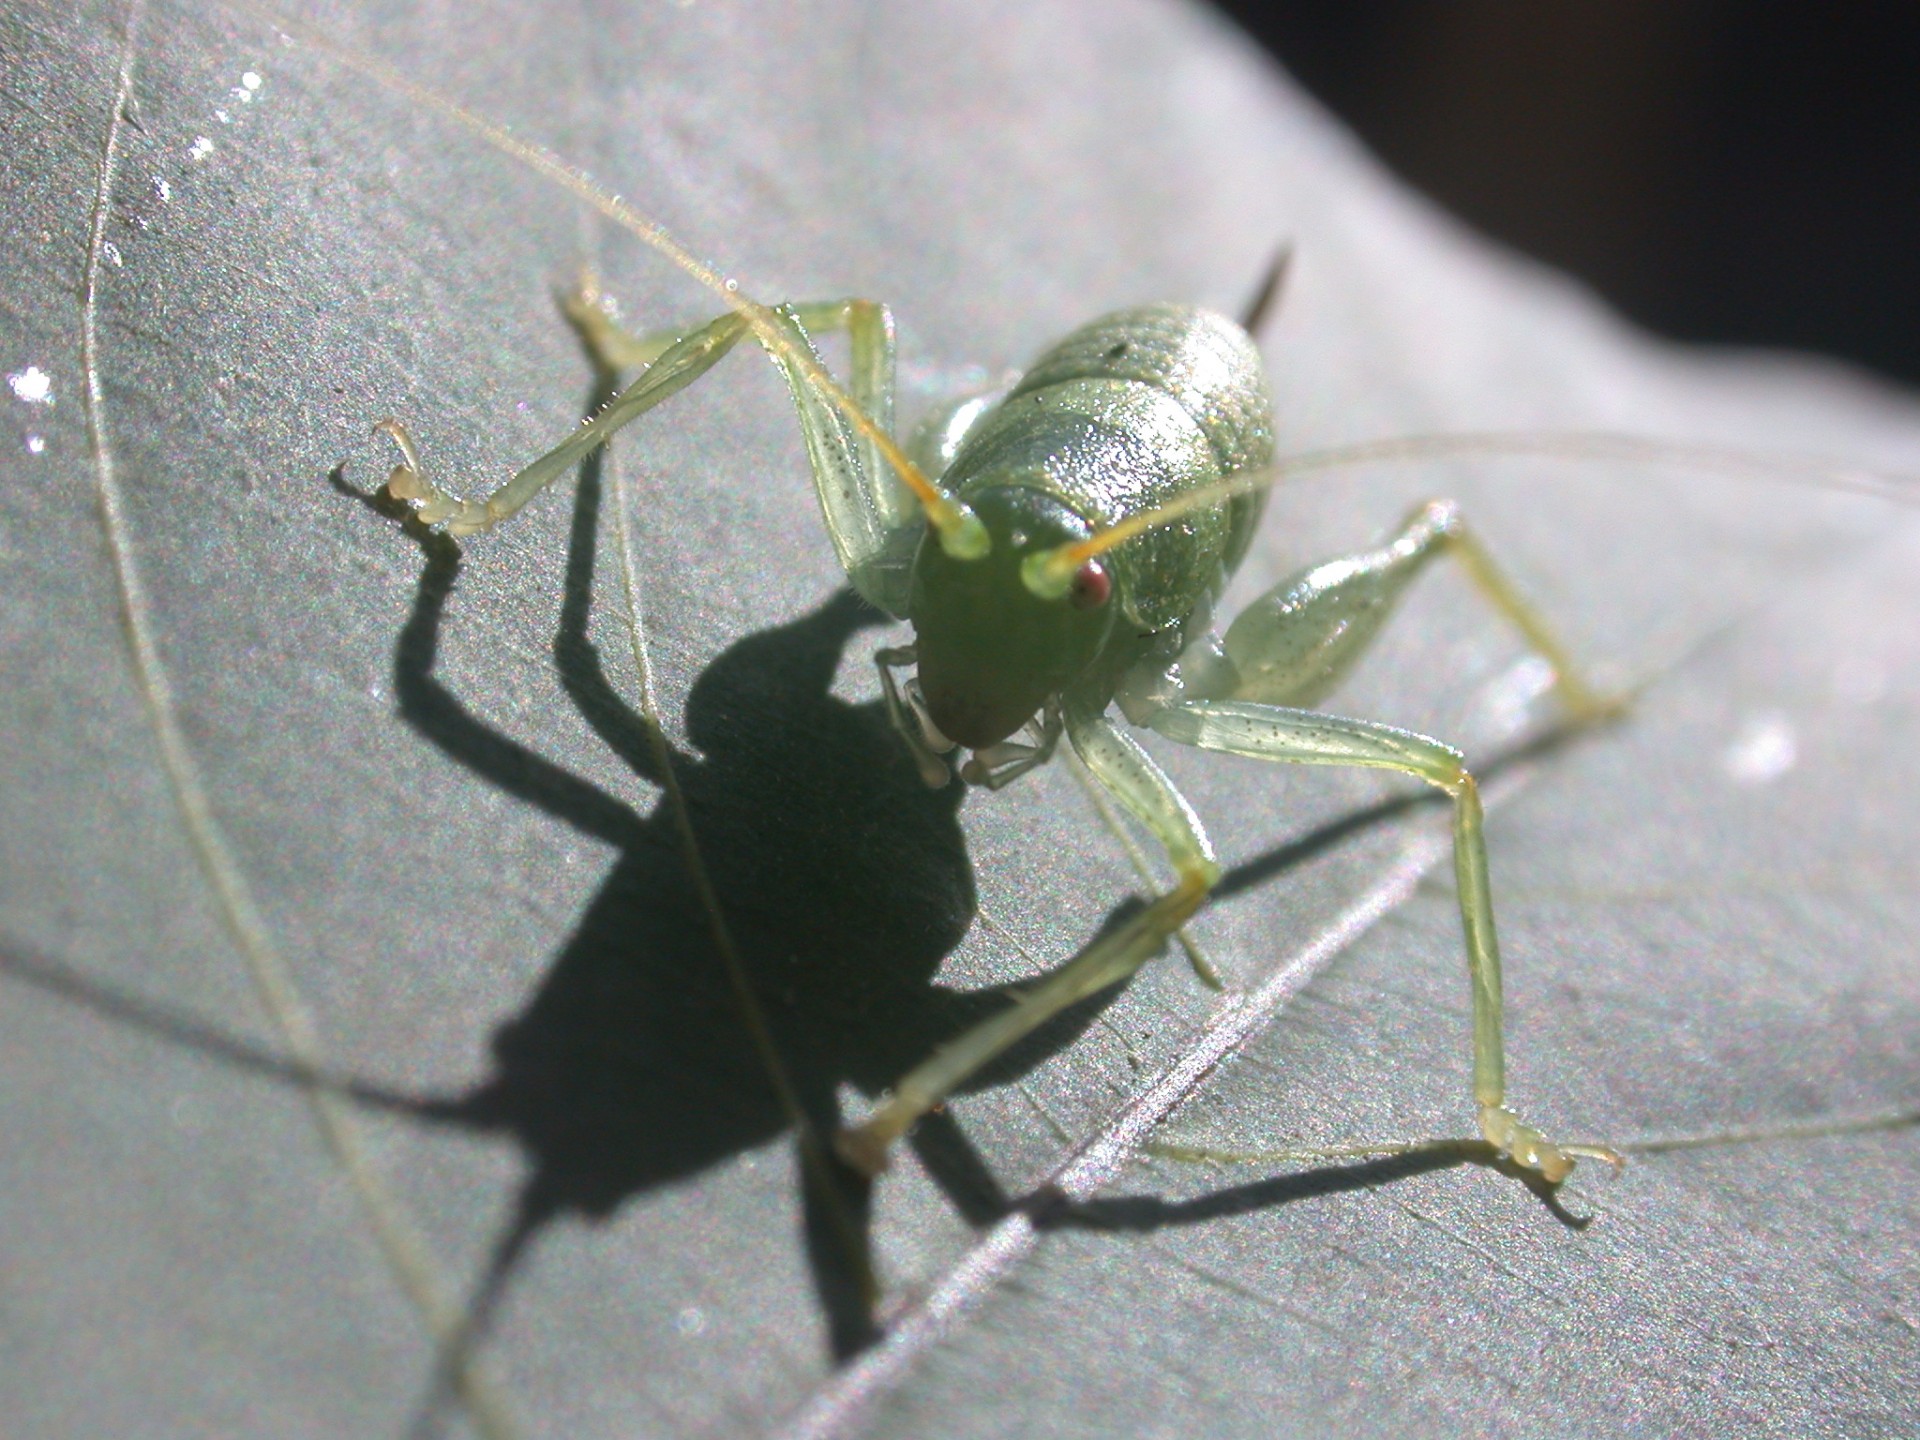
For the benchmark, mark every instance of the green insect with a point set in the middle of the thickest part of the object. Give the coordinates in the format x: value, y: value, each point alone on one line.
x: 1067, y: 559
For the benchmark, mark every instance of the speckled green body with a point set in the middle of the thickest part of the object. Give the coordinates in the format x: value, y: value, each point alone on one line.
x: 1126, y: 414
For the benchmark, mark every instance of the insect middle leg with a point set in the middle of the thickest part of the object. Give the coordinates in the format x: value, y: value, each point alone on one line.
x: 682, y: 362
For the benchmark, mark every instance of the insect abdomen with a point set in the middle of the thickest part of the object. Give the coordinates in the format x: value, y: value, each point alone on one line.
x: 1203, y: 360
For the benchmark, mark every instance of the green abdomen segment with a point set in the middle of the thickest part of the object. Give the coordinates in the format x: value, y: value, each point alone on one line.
x: 1128, y: 413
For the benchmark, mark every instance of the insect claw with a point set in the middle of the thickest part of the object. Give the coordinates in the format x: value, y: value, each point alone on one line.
x: 585, y: 296
x: 404, y: 482
x: 434, y: 506
x: 1605, y: 1154
x: 1526, y: 1147
x: 396, y: 432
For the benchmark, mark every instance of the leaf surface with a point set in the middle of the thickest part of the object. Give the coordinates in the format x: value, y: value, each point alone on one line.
x: 285, y: 791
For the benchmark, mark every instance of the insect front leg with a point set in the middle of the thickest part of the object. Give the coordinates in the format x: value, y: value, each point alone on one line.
x: 907, y: 711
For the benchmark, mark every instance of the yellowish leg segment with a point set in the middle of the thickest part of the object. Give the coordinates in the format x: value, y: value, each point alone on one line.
x: 873, y: 518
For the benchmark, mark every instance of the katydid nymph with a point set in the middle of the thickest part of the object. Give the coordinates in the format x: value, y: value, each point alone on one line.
x: 1058, y: 547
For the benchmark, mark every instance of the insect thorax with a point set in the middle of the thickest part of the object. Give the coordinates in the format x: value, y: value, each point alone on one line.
x: 1128, y: 413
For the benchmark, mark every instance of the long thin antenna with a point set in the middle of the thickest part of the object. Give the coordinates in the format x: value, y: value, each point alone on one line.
x: 1049, y: 573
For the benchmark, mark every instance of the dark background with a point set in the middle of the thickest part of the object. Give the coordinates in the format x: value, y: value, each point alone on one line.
x: 1720, y: 170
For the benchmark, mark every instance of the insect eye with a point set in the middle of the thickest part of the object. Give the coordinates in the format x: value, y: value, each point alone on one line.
x: 1090, y: 587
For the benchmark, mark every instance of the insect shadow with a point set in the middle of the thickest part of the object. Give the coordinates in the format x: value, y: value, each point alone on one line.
x: 843, y: 881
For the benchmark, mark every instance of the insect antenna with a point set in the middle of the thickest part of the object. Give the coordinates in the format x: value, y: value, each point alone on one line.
x: 1049, y: 573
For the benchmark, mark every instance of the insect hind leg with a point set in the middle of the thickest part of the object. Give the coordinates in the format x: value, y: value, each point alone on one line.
x: 1303, y: 737
x: 1291, y: 647
x: 1294, y: 644
x: 872, y: 516
x: 688, y: 358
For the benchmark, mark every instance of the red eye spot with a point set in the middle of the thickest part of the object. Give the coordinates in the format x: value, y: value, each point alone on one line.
x: 1090, y: 587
